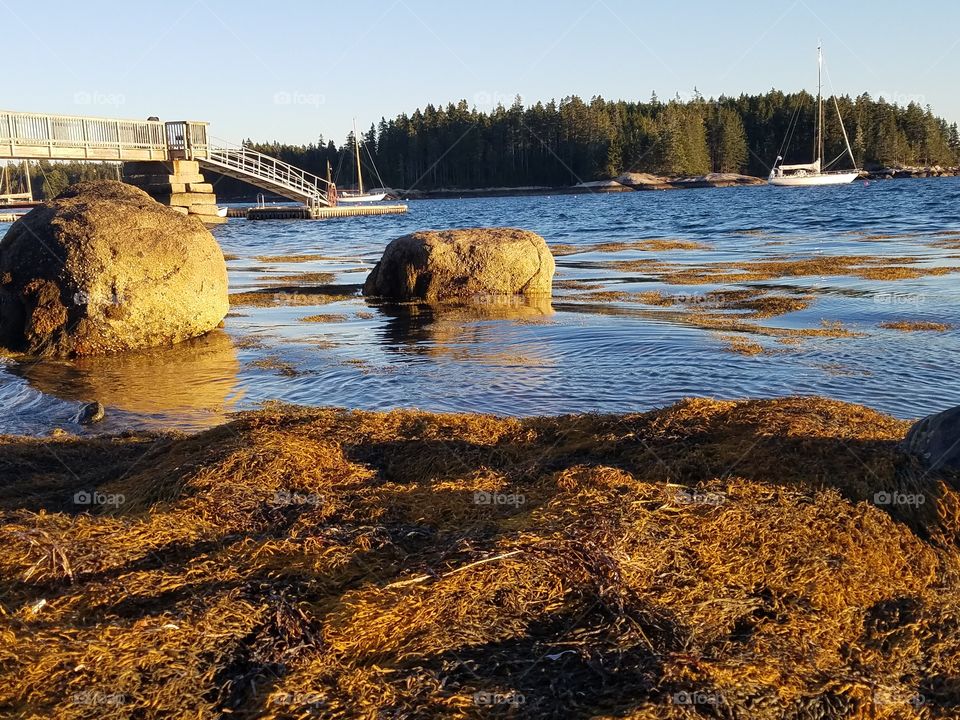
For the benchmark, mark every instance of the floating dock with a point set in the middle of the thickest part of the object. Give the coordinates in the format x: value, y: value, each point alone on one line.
x: 302, y: 212
x: 10, y: 217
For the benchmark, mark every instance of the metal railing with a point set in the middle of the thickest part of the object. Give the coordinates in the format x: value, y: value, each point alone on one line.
x: 68, y: 137
x: 34, y: 135
x: 270, y: 173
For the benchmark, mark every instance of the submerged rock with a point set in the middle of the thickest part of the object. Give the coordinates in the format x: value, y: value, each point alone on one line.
x: 458, y: 264
x: 105, y: 268
x: 935, y: 440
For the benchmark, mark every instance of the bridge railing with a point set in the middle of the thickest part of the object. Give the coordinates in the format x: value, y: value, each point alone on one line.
x: 187, y: 140
x: 33, y: 135
x: 247, y: 163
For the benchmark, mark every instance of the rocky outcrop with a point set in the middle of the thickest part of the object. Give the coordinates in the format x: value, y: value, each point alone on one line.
x: 935, y: 441
x: 718, y: 180
x: 602, y: 186
x: 646, y: 181
x: 643, y: 181
x: 104, y: 268
x: 458, y: 264
x: 897, y: 173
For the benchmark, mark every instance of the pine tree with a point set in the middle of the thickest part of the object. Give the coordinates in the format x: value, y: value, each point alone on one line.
x: 728, y: 141
x: 54, y: 183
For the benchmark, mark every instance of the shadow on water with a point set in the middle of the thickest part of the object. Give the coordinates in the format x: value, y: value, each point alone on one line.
x: 191, y: 385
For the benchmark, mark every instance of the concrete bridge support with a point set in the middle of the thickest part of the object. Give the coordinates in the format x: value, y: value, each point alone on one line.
x: 177, y: 183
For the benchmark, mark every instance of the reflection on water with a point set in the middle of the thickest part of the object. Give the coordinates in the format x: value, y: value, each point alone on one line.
x: 619, y: 335
x: 193, y: 384
x: 423, y: 329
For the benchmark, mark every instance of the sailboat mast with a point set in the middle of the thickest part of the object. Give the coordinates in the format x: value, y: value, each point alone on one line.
x: 819, y: 104
x: 356, y: 146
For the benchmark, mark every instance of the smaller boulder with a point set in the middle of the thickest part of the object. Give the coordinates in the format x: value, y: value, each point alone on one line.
x: 91, y: 413
x: 935, y: 441
x: 459, y: 264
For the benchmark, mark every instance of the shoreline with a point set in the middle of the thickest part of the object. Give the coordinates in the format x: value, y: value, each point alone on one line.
x: 649, y: 183
x: 645, y: 183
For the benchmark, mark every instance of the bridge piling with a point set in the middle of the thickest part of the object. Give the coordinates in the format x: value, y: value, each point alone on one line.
x: 177, y: 183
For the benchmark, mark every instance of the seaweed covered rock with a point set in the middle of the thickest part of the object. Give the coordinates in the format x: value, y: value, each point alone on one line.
x: 105, y: 268
x: 458, y: 264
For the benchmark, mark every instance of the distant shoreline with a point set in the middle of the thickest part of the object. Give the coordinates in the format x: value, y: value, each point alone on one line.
x: 633, y: 182
x: 636, y: 183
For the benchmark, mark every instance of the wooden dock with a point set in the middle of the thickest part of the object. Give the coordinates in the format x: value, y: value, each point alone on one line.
x: 302, y: 212
x: 9, y: 216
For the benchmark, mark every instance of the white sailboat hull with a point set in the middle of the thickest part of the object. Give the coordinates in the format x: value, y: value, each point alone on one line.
x: 821, y: 179
x: 370, y: 197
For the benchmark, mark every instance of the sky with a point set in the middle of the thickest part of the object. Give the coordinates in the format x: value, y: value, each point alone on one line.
x: 295, y: 71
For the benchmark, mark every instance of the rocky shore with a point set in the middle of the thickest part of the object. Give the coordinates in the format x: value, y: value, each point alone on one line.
x: 646, y: 181
x: 624, y: 183
x: 911, y: 172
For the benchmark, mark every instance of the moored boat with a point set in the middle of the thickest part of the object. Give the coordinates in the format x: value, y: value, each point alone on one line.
x: 359, y: 196
x: 810, y: 174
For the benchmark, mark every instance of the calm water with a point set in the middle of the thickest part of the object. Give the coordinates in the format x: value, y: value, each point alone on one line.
x: 548, y: 358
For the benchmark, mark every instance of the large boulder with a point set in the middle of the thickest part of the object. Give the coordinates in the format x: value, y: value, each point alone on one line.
x: 105, y: 268
x: 458, y: 264
x: 935, y: 440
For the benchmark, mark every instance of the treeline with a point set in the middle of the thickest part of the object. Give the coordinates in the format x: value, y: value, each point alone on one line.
x: 566, y: 142
x: 571, y: 141
x: 49, y: 179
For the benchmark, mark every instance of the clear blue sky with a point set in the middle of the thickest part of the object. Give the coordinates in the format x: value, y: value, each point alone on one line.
x: 290, y: 71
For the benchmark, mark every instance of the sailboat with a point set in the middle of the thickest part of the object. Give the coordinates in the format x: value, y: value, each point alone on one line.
x: 814, y: 173
x: 359, y: 197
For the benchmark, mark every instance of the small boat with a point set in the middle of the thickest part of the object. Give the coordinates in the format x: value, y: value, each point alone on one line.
x: 221, y: 212
x: 814, y: 173
x: 348, y: 196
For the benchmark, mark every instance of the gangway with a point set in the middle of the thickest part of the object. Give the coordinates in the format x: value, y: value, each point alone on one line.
x: 34, y: 136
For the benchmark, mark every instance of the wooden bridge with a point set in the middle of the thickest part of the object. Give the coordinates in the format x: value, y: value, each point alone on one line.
x: 31, y: 136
